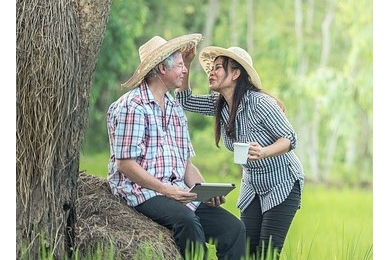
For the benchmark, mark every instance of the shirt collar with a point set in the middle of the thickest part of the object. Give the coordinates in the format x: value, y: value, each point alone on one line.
x: 244, y: 99
x: 148, y: 97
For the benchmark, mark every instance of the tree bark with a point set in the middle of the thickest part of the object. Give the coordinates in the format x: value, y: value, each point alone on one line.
x: 57, y: 43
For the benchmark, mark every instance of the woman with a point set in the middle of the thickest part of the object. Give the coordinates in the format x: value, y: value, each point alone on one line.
x: 273, y: 177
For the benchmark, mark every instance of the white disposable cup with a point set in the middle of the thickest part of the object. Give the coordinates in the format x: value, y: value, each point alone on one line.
x: 240, y: 152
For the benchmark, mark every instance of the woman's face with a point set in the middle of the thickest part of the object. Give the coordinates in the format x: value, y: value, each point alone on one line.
x: 221, y: 80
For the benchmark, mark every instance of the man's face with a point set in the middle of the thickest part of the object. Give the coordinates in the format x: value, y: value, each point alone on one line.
x: 175, y: 75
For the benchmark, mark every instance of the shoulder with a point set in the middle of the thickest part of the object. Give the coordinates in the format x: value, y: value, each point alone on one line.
x: 130, y: 100
x: 262, y: 105
x: 257, y: 98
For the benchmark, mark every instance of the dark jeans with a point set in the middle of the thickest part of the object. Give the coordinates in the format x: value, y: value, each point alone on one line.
x: 273, y: 224
x: 205, y: 223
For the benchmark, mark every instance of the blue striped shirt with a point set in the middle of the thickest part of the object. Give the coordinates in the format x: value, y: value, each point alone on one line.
x: 160, y: 144
x: 259, y: 119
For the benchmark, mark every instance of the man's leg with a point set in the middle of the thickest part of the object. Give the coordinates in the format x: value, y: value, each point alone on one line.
x: 175, y: 216
x: 225, y: 229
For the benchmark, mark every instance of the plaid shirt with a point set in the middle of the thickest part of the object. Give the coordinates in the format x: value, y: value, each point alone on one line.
x: 259, y: 119
x: 138, y: 129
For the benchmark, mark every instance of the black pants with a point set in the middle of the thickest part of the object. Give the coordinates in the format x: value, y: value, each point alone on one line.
x: 273, y: 224
x: 205, y: 223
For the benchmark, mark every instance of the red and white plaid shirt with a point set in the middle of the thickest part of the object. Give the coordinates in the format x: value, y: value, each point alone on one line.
x: 160, y: 144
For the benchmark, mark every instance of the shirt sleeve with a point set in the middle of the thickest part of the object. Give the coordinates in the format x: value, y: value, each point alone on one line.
x: 129, y: 131
x: 274, y: 120
x: 203, y: 104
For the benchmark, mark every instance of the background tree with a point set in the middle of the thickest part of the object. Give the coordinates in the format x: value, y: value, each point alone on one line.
x: 57, y: 46
x: 314, y: 55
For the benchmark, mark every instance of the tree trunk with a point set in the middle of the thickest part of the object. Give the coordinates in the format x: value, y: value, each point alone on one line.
x: 325, y: 28
x: 250, y: 20
x: 57, y: 43
x: 301, y: 55
x: 233, y: 24
x: 211, y: 17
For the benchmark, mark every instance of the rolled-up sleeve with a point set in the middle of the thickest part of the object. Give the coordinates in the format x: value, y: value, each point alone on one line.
x: 274, y: 119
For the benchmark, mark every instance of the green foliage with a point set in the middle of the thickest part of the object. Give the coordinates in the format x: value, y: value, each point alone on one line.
x: 118, y: 58
x: 210, y: 159
x: 194, y: 251
x: 329, y: 101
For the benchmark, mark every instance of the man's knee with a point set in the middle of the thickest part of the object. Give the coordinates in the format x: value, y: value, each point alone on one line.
x: 188, y: 226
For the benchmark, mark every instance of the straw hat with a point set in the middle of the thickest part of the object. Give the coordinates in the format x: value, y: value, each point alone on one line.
x: 208, y: 54
x: 158, y: 49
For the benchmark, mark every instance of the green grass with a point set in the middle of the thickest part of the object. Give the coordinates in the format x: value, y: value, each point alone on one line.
x: 96, y: 164
x: 333, y: 223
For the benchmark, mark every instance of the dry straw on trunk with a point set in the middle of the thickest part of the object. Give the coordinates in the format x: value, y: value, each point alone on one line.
x: 104, y: 220
x: 48, y: 103
x: 57, y: 45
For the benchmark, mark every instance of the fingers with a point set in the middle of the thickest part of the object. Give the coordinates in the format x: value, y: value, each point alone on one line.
x: 189, y: 54
x: 187, y: 196
x: 180, y: 194
x: 216, y: 202
x: 255, y: 151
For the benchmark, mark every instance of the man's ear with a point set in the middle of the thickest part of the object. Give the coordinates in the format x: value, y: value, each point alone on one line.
x: 161, y: 68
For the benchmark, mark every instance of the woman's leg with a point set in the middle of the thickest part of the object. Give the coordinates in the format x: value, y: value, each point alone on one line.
x: 273, y: 224
x: 277, y: 221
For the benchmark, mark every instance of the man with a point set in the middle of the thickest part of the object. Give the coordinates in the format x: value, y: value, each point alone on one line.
x: 150, y: 148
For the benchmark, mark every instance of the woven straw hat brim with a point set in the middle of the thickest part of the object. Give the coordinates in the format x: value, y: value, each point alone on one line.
x: 208, y: 54
x: 159, y: 54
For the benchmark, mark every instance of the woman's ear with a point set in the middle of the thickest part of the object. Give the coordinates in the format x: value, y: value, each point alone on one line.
x: 236, y: 74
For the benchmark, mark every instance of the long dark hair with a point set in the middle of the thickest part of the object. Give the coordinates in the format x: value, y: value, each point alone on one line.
x: 243, y: 85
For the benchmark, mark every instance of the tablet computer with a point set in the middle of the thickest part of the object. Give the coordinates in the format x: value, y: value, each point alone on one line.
x: 208, y: 190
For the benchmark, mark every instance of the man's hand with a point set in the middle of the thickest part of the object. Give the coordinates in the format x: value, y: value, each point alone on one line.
x: 179, y: 194
x: 216, y: 201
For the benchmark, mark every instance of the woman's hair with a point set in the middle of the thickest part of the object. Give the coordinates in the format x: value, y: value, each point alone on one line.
x: 243, y: 85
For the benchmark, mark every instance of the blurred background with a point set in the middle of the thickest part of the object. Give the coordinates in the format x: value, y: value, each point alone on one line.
x: 315, y: 55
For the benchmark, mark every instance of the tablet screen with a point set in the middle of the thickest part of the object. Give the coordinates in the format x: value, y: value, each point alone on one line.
x: 207, y: 190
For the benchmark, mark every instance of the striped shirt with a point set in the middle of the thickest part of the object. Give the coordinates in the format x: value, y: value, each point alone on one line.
x: 138, y: 129
x: 259, y: 119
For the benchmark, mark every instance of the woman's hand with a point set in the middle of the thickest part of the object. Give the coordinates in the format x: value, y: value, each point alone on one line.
x: 188, y: 55
x: 279, y: 147
x: 256, y: 151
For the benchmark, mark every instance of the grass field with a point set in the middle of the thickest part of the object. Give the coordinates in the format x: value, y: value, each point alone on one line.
x: 333, y: 223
